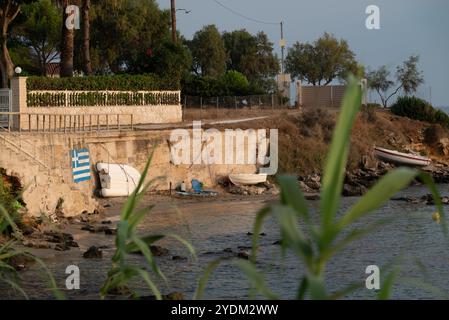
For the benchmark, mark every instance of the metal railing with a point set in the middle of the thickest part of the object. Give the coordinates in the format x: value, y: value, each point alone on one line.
x: 65, y: 123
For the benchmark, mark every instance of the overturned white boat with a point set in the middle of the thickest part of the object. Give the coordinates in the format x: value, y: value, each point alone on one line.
x: 400, y: 158
x: 246, y: 179
x: 117, y: 180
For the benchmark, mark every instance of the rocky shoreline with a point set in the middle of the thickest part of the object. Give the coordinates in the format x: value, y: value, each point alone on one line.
x: 360, y: 180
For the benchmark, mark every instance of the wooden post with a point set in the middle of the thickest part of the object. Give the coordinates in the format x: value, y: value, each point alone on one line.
x: 118, y: 121
x: 132, y: 122
x: 29, y: 122
x: 98, y: 122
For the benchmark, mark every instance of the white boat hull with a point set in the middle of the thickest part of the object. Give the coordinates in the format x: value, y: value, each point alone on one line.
x: 247, y: 179
x: 117, y: 180
x: 400, y: 158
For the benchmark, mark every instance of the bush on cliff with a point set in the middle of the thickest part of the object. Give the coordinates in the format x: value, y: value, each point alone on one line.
x: 418, y: 109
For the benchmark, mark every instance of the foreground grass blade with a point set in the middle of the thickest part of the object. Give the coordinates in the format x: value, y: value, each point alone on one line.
x: 386, y: 188
x: 256, y: 279
x: 204, y: 279
x: 338, y: 154
x: 292, y: 195
x: 258, y: 223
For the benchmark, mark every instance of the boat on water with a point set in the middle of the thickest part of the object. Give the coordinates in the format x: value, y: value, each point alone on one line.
x: 400, y: 158
x: 246, y: 179
x: 117, y: 180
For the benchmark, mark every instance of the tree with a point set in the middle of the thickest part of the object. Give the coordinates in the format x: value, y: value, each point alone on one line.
x: 208, y: 52
x: 407, y: 76
x: 86, y: 38
x: 321, y: 62
x: 167, y: 58
x: 39, y: 34
x: 120, y: 37
x: 251, y: 55
x: 67, y: 42
x: 9, y: 9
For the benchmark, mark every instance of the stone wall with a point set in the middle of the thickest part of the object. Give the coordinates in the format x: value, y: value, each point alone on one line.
x: 132, y: 148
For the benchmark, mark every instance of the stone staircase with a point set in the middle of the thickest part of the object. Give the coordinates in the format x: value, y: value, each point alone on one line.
x: 43, y: 184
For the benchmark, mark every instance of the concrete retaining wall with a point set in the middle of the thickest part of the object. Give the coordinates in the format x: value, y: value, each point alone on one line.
x: 132, y: 148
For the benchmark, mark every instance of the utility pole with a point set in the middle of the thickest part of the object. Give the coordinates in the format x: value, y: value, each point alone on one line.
x: 282, y: 43
x: 173, y: 21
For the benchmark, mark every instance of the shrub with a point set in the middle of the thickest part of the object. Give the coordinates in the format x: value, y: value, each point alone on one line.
x: 10, y: 201
x: 418, y: 109
x: 231, y: 83
x: 234, y: 83
x: 147, y: 82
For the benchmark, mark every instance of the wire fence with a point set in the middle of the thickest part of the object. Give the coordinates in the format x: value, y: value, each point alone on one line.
x: 199, y: 108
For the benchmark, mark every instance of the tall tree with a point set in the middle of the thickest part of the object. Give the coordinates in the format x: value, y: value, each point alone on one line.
x: 67, y: 41
x: 9, y: 9
x: 321, y: 62
x: 39, y: 33
x: 208, y: 52
x: 408, y: 78
x: 251, y: 55
x: 120, y: 37
x: 86, y: 38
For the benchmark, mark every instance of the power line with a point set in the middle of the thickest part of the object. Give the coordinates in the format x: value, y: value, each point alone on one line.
x: 243, y: 16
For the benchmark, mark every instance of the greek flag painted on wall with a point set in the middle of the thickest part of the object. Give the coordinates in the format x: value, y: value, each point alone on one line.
x: 80, y: 165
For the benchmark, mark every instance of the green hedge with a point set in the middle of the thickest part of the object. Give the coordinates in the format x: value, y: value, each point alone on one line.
x: 148, y: 82
x: 90, y: 99
x: 418, y: 109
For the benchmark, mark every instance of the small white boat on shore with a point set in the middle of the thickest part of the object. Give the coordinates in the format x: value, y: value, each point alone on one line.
x: 246, y: 179
x: 117, y: 180
x: 400, y: 158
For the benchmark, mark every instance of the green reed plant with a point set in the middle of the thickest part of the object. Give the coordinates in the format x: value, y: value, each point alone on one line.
x: 9, y: 251
x: 316, y: 243
x: 129, y: 242
x: 315, y: 240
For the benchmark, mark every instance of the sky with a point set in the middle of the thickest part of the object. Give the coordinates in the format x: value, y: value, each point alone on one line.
x: 407, y: 27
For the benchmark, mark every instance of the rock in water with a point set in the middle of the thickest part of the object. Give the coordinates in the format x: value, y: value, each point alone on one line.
x: 436, y: 217
x: 159, y: 251
x: 93, y: 253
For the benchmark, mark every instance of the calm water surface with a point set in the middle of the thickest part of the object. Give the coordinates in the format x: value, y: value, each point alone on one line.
x: 211, y: 227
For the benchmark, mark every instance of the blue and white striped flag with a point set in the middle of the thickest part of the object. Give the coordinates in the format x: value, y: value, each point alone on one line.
x: 80, y: 165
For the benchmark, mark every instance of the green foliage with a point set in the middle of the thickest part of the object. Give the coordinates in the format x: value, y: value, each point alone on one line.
x: 10, y: 203
x: 166, y: 58
x: 208, y: 52
x: 147, y: 82
x: 322, y: 61
x: 93, y: 99
x: 8, y: 273
x: 418, y: 109
x: 231, y: 83
x: 251, y: 55
x: 128, y: 241
x: 38, y: 31
x: 234, y: 83
x: 407, y: 76
x: 123, y: 31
